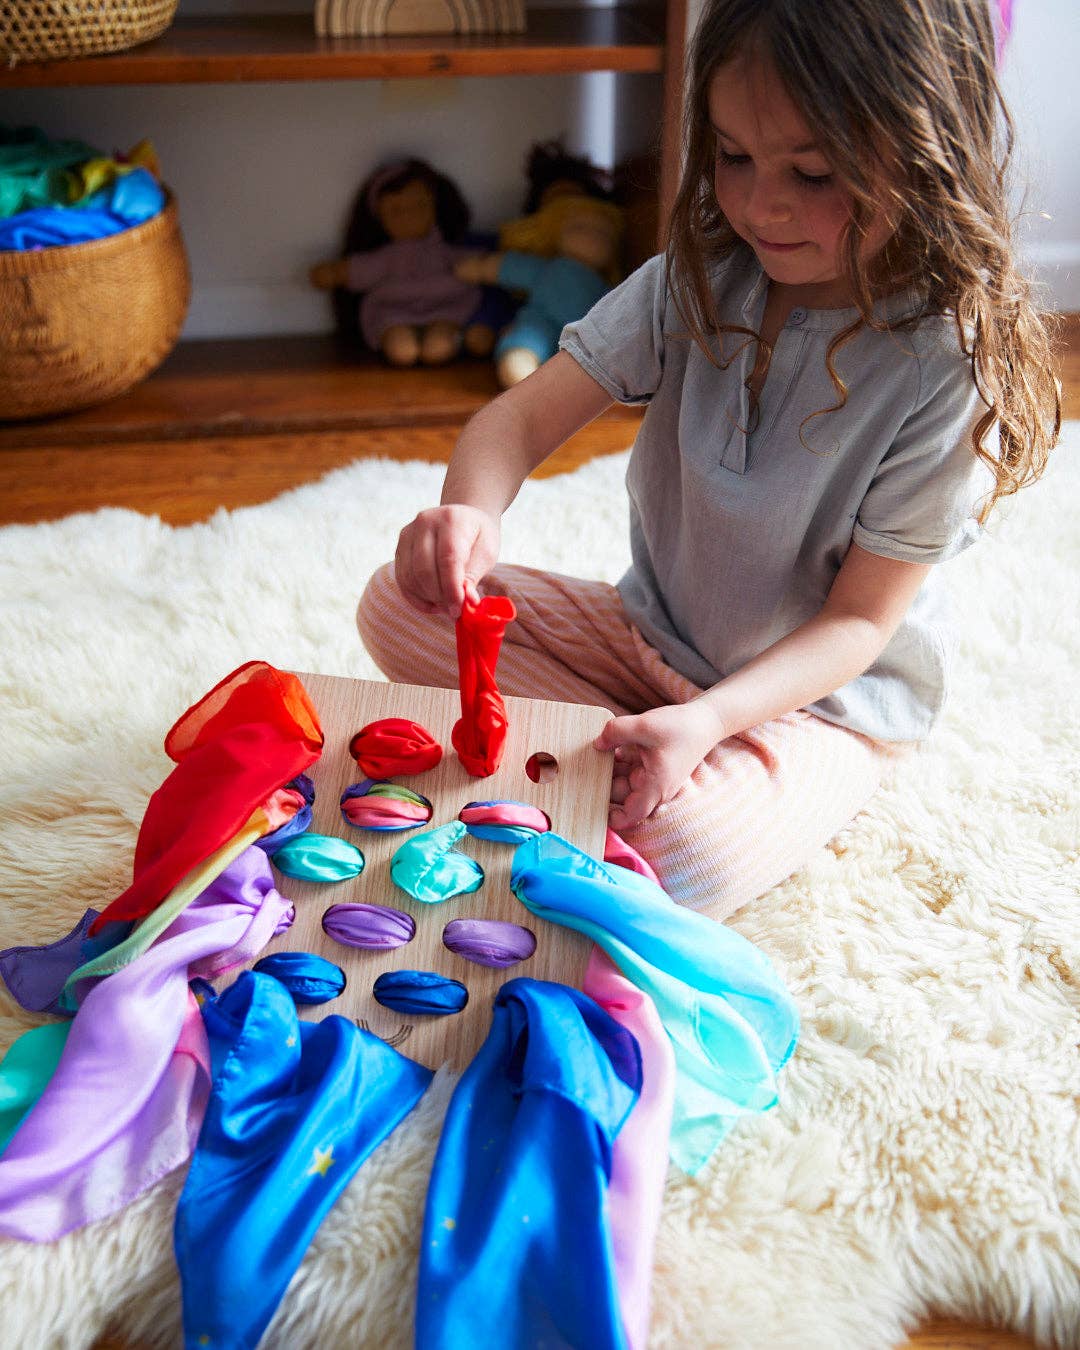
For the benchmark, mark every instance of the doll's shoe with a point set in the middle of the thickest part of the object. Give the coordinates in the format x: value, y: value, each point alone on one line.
x: 514, y: 365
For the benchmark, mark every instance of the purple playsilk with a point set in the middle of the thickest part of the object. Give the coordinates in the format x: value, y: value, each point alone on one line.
x: 126, y: 1102
x: 36, y: 975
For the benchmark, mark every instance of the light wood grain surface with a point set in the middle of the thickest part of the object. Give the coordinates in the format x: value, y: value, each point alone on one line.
x: 575, y: 800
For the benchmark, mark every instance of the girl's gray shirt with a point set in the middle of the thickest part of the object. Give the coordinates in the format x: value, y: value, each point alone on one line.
x: 738, y: 528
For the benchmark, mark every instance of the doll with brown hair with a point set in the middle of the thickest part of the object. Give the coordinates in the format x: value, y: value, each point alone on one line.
x: 403, y: 242
x: 563, y: 254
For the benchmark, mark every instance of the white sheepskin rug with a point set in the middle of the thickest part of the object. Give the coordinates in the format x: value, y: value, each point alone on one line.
x: 925, y: 1157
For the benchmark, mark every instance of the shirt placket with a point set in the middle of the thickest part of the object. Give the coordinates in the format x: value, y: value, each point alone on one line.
x: 786, y: 358
x: 736, y: 452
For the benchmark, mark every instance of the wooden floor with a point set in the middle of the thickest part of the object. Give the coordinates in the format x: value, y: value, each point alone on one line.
x: 195, y: 438
x: 267, y: 416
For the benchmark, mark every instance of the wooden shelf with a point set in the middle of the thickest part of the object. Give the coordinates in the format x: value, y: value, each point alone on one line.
x: 285, y: 47
x: 265, y: 386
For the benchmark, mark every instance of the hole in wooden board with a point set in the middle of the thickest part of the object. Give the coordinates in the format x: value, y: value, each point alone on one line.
x: 541, y: 767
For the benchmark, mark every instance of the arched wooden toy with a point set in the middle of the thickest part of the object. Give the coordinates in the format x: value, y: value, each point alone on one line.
x: 574, y: 796
x: 389, y: 18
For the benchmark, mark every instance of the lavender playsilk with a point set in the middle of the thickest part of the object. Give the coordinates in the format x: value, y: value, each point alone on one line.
x: 127, y: 1099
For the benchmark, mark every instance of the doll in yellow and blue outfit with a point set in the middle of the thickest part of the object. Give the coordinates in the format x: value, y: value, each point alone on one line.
x: 563, y: 254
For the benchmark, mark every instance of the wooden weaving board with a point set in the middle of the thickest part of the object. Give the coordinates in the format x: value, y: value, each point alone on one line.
x: 575, y: 800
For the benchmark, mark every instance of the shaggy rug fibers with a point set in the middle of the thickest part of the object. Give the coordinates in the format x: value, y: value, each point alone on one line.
x: 925, y: 1157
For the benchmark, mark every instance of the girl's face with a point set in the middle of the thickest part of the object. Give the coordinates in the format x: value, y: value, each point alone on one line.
x: 776, y: 188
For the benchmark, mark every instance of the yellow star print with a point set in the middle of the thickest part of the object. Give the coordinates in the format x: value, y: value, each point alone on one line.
x: 322, y: 1161
x: 291, y: 1042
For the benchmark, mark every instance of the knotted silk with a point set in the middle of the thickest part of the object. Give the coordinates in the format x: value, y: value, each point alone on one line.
x: 480, y: 733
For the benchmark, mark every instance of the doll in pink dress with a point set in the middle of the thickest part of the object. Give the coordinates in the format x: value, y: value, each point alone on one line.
x: 403, y: 243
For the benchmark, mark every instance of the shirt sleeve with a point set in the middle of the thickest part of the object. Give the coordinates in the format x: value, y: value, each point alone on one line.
x: 620, y: 342
x: 923, y: 502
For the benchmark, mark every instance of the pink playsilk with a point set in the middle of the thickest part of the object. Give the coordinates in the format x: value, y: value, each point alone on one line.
x: 639, y: 1159
x: 480, y: 733
x: 126, y: 1101
x: 505, y: 813
x: 374, y: 813
x: 618, y: 851
x: 640, y: 1154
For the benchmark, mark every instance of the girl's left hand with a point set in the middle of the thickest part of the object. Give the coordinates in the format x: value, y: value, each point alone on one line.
x: 655, y: 754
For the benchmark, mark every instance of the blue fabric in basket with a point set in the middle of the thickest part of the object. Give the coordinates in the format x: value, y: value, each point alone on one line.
x: 129, y: 201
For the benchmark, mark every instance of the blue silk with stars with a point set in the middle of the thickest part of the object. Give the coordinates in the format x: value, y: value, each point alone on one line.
x: 516, y: 1250
x: 295, y: 1108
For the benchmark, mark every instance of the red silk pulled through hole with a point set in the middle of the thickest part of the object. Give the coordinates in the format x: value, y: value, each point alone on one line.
x: 480, y: 733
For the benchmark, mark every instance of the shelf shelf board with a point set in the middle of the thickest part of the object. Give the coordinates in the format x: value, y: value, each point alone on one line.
x: 225, y: 388
x: 285, y: 47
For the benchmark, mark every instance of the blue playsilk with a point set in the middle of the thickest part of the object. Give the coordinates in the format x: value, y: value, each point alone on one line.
x: 130, y: 200
x: 730, y: 1018
x: 310, y: 978
x: 295, y: 1108
x: 516, y: 1250
x: 318, y: 857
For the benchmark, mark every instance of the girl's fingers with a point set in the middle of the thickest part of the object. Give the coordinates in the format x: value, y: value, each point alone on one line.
x: 619, y: 732
x: 425, y: 576
x: 449, y: 559
x: 638, y: 806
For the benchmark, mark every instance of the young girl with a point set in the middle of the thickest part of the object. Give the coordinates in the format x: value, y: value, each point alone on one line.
x: 843, y: 373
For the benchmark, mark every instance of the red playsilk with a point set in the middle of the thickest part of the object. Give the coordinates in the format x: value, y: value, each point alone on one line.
x: 480, y: 732
x: 234, y: 749
x: 394, y: 745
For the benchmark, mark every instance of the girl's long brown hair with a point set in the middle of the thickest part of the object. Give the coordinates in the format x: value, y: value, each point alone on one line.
x: 909, y: 84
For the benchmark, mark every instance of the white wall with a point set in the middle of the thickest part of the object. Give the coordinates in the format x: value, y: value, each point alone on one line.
x: 1041, y: 77
x: 265, y: 173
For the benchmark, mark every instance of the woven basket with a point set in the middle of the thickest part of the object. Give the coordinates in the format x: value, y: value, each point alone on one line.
x: 83, y: 323
x: 47, y: 30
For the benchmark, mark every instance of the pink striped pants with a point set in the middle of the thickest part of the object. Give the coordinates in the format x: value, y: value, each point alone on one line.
x: 754, y: 811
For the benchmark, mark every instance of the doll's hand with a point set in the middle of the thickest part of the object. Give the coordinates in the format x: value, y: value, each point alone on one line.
x: 329, y: 275
x: 655, y: 754
x: 445, y: 549
x: 482, y: 269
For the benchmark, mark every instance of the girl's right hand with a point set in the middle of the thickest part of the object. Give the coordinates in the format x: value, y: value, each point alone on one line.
x: 445, y: 549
